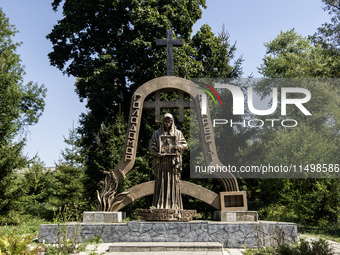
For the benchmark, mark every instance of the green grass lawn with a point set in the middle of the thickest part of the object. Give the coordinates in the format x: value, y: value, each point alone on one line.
x: 330, y: 233
x: 26, y: 225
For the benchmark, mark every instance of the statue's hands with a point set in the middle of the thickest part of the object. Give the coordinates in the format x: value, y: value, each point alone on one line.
x: 178, y: 147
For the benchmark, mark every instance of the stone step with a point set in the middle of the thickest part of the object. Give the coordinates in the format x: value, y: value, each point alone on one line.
x: 171, y: 253
x: 165, y: 246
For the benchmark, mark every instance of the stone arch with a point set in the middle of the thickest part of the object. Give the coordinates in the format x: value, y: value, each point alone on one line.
x: 146, y: 189
x: 109, y: 202
x: 228, y: 181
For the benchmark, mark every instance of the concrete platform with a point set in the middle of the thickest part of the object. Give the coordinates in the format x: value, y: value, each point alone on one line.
x: 103, y: 248
x: 172, y: 253
x: 165, y: 246
x: 228, y: 234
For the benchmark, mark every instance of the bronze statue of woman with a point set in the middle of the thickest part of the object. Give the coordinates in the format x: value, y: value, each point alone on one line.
x: 167, y: 145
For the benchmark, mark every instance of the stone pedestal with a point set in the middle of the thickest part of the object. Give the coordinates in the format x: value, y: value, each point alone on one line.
x: 229, y: 234
x: 166, y: 214
x: 103, y: 217
x: 236, y: 216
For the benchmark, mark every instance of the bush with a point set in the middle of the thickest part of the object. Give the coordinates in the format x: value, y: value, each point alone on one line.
x: 16, y: 244
x: 319, y: 247
x: 12, y: 218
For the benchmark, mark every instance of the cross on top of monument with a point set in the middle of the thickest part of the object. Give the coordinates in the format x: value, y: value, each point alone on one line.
x: 169, y: 43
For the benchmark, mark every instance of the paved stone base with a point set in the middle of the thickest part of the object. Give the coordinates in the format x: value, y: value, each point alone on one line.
x: 230, y: 235
x: 165, y: 246
x: 236, y: 216
x: 166, y: 214
x: 107, y: 217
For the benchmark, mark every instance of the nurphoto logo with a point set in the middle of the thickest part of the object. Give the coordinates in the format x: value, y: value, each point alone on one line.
x: 239, y: 104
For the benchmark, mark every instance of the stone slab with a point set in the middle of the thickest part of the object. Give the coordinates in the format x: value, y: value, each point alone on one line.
x: 236, y: 216
x: 103, y: 217
x: 170, y: 253
x: 229, y: 234
x: 165, y: 246
x: 166, y: 214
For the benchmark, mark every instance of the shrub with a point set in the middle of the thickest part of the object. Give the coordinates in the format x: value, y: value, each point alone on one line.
x: 319, y: 247
x: 16, y: 244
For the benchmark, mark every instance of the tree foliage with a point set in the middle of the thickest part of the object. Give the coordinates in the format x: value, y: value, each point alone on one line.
x: 36, y: 183
x: 328, y: 34
x: 21, y: 105
x: 69, y: 177
x: 290, y: 57
x: 215, y: 53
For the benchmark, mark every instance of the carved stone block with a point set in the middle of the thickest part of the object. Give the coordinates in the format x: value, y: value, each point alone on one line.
x: 236, y: 216
x: 106, y: 217
x: 166, y: 214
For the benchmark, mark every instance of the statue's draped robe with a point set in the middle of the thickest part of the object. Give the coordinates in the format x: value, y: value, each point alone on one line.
x: 167, y: 169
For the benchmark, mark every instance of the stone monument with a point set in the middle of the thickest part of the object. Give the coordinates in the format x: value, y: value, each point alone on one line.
x: 234, y: 227
x: 230, y: 199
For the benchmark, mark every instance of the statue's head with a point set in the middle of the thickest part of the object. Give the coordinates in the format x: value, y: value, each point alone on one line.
x: 167, y: 120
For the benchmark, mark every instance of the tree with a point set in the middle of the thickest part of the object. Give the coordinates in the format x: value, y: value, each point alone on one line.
x: 110, y: 46
x: 20, y: 106
x: 215, y: 54
x: 36, y: 183
x: 328, y: 37
x: 71, y: 155
x: 328, y: 34
x: 291, y: 55
x: 314, y: 141
x: 69, y: 177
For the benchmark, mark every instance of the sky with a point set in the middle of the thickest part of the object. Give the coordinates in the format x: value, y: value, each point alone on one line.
x: 250, y: 24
